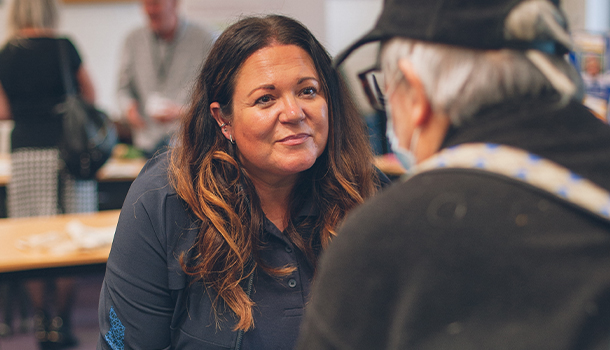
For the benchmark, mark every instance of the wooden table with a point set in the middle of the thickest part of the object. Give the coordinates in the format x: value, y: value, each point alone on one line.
x: 15, y: 260
x: 116, y: 169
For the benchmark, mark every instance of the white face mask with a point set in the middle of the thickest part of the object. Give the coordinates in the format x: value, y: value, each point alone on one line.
x: 406, y: 157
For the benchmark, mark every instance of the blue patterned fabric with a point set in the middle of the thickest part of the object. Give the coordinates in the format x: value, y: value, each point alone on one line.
x: 526, y: 167
x: 116, y: 334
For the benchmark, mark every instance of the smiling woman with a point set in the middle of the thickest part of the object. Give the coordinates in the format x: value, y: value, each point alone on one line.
x: 219, y: 239
x: 280, y: 116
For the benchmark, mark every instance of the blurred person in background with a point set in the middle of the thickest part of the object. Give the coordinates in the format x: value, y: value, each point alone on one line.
x: 218, y: 239
x: 159, y: 65
x: 500, y: 237
x: 597, y: 85
x: 31, y: 86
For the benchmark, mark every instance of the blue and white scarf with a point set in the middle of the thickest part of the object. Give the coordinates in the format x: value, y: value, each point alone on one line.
x: 525, y: 167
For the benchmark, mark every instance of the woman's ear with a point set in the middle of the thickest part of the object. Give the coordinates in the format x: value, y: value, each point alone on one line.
x: 219, y: 117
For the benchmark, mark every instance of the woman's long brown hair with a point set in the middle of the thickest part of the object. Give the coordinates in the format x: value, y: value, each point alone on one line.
x: 206, y: 173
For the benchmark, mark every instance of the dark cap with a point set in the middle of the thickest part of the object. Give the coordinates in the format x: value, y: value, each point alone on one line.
x: 476, y: 24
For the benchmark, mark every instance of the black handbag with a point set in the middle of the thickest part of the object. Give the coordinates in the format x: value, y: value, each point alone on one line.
x: 88, y: 133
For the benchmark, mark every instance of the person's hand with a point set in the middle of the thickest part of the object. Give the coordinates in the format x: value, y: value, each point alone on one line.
x: 134, y: 118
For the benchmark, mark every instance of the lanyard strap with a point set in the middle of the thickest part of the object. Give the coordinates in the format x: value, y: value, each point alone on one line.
x: 520, y: 165
x: 162, y: 59
x: 162, y: 52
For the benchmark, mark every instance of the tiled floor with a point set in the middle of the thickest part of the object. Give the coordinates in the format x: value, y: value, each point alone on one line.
x: 85, y: 319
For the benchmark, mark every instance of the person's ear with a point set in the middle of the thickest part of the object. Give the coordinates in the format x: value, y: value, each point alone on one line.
x: 432, y: 125
x: 421, y: 111
x: 222, y: 123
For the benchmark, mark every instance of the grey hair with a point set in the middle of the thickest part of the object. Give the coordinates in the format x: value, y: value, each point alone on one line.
x: 41, y: 14
x: 460, y: 81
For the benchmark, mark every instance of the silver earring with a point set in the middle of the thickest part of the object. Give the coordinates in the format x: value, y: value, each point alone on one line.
x: 231, y: 139
x: 223, y: 124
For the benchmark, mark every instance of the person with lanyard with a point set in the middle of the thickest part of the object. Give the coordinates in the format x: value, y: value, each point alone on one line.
x: 218, y: 239
x: 158, y: 66
x: 499, y: 235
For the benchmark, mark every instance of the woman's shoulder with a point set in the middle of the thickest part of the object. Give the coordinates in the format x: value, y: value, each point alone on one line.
x: 67, y: 41
x: 153, y: 202
x: 15, y: 48
x: 44, y: 44
x: 155, y: 175
x: 152, y: 187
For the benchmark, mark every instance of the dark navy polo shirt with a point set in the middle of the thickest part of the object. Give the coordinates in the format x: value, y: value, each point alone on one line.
x: 279, y: 300
x: 148, y: 302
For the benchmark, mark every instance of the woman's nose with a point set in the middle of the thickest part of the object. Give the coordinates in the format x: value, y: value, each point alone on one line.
x: 292, y: 113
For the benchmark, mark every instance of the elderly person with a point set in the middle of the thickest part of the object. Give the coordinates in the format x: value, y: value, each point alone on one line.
x: 159, y: 63
x: 218, y: 239
x: 499, y: 238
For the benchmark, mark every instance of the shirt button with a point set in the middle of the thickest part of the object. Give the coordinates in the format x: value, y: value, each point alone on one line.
x: 292, y: 283
x: 288, y: 249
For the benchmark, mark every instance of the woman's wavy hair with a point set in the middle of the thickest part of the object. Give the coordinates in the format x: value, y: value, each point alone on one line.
x: 207, y: 175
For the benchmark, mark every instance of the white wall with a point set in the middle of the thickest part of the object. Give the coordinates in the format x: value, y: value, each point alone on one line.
x: 348, y: 20
x: 220, y: 13
x: 597, y: 15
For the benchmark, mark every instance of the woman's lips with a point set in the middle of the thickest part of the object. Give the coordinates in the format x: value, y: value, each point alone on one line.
x: 294, y: 139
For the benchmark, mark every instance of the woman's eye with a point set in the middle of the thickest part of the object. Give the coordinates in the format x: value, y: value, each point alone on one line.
x: 264, y: 99
x: 309, y: 91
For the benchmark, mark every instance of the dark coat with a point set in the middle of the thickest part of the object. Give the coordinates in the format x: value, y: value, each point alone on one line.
x: 463, y: 259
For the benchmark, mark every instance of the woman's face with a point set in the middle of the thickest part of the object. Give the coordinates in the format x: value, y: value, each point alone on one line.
x: 280, y: 117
